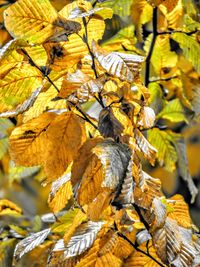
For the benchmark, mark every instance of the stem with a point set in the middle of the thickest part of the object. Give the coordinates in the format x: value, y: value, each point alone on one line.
x: 171, y: 32
x: 163, y: 79
x: 148, y: 59
x: 84, y: 115
x: 141, y: 216
x: 139, y: 250
x: 36, y: 66
x: 85, y: 40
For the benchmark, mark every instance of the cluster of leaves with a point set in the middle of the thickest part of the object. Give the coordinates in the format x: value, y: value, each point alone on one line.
x: 83, y: 119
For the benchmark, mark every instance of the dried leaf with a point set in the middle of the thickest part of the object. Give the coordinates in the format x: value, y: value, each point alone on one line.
x: 147, y: 149
x: 115, y: 158
x: 30, y: 242
x: 124, y: 66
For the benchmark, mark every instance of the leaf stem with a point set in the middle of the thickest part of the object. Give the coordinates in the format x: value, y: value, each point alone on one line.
x: 148, y: 59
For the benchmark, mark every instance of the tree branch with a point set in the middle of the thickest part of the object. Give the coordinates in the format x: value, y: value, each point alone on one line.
x: 148, y: 59
x: 36, y: 66
x: 163, y: 79
x: 85, y: 117
x: 171, y: 32
x: 139, y: 250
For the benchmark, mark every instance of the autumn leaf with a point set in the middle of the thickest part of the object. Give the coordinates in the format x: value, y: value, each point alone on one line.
x: 40, y: 26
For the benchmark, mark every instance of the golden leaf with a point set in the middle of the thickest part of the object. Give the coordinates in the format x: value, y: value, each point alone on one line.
x: 138, y: 259
x: 169, y: 4
x: 8, y: 207
x: 180, y: 211
x: 65, y: 136
x: 91, y: 181
x: 40, y: 25
x: 28, y: 142
x: 82, y: 159
x: 61, y: 192
x: 18, y: 84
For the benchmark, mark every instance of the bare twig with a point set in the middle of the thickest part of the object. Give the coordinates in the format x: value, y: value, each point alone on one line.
x: 139, y: 250
x: 37, y: 67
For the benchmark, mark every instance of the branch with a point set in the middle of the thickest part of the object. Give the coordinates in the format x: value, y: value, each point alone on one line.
x: 171, y: 32
x: 36, y: 66
x: 148, y: 59
x: 85, y: 40
x: 163, y: 79
x: 85, y: 117
x: 139, y: 250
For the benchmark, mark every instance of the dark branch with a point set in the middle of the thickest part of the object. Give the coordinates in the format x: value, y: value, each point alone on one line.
x: 139, y: 250
x: 163, y: 79
x: 44, y: 74
x: 171, y: 32
x: 148, y: 59
x: 85, y: 117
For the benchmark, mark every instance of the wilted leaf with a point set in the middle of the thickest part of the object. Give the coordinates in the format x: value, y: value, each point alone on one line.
x: 183, y: 168
x: 146, y: 148
x: 115, y: 158
x: 30, y: 242
x: 124, y: 66
x: 109, y: 126
x: 147, y: 117
x: 82, y: 239
x: 40, y: 25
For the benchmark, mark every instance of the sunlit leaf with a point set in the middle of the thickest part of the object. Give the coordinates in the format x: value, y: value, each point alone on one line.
x: 8, y: 207
x: 163, y: 142
x: 173, y: 111
x: 190, y: 48
x: 40, y: 25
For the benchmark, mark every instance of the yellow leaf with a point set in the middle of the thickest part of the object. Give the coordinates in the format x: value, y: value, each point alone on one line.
x: 61, y: 192
x: 41, y: 20
x: 28, y: 142
x: 18, y: 84
x: 163, y: 142
x: 65, y: 136
x: 8, y: 207
x: 90, y: 185
x: 169, y: 4
x: 180, y: 211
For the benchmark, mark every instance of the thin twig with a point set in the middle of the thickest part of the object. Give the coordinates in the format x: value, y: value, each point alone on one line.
x: 163, y: 79
x: 85, y: 39
x: 139, y: 250
x: 148, y: 59
x: 85, y: 117
x: 176, y: 31
x: 37, y: 67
